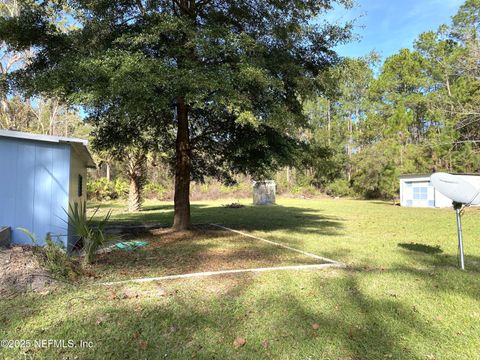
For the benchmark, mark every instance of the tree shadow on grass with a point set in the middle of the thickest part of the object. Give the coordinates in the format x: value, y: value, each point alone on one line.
x: 266, y: 218
x: 427, y: 249
x: 434, y: 257
x: 202, y: 318
x: 438, y: 273
x: 168, y: 207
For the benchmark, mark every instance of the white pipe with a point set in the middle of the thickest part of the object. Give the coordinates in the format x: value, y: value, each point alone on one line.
x: 221, y: 272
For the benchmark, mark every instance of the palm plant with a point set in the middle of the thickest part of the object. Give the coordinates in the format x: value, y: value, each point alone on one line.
x: 91, y: 232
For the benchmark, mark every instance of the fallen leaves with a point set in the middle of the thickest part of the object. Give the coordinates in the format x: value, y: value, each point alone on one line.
x: 142, y: 344
x: 101, y: 319
x: 112, y: 296
x: 315, y: 326
x: 128, y: 294
x: 173, y: 328
x: 161, y: 292
x: 239, y: 342
x: 133, y: 294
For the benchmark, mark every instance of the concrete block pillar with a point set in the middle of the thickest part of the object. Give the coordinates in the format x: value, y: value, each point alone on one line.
x: 264, y: 192
x: 5, y: 235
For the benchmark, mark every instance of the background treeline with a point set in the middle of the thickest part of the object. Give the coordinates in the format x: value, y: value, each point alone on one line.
x: 418, y: 112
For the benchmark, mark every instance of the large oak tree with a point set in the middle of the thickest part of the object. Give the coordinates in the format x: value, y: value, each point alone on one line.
x: 221, y: 82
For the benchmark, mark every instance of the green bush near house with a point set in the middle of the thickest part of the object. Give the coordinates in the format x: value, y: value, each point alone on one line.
x: 53, y: 257
x: 56, y: 260
x: 103, y: 190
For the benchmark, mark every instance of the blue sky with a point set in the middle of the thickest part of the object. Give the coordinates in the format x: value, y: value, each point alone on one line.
x: 389, y: 25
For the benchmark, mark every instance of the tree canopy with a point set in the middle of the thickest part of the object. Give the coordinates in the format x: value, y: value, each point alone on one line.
x: 221, y: 82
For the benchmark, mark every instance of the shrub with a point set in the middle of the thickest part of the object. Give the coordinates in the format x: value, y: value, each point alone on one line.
x: 56, y: 260
x: 376, y: 175
x: 296, y: 190
x: 307, y: 190
x: 154, y: 191
x: 102, y: 189
x: 230, y: 189
x: 98, y: 189
x: 213, y: 189
x: 53, y: 257
x: 92, y: 234
x: 339, y: 187
x: 120, y: 187
x: 283, y: 185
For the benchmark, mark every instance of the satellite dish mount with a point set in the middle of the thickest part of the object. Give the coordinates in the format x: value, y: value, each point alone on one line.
x: 463, y: 194
x: 458, y: 210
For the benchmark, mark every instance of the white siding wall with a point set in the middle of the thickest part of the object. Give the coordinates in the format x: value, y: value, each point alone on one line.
x: 407, y: 189
x: 434, y: 197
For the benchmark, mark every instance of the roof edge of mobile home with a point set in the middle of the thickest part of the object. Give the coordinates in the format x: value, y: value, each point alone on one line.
x: 79, y: 145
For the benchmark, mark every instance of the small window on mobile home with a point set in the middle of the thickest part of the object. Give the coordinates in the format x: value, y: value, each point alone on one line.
x: 80, y: 185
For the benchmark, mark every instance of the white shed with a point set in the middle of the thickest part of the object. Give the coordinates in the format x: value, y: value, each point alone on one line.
x: 40, y: 176
x: 416, y: 191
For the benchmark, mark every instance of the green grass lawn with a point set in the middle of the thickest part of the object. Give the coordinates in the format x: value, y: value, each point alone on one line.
x: 401, y: 296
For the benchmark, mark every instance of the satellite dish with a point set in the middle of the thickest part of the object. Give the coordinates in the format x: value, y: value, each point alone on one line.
x: 462, y: 194
x: 456, y: 188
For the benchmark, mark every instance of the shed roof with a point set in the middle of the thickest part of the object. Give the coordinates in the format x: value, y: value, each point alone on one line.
x: 409, y: 176
x: 79, y: 145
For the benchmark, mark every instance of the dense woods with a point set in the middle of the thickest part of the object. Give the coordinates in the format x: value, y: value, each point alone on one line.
x: 345, y: 126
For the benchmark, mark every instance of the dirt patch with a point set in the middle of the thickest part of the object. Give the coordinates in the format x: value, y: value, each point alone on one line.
x: 204, y: 248
x: 20, y: 271
x: 169, y: 235
x: 160, y: 237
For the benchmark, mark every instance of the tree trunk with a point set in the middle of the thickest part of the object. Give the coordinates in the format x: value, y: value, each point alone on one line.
x: 134, y: 196
x: 136, y: 173
x: 181, y: 220
x: 349, y: 148
x: 108, y: 176
x: 329, y: 122
x: 8, y: 114
x: 447, y: 82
